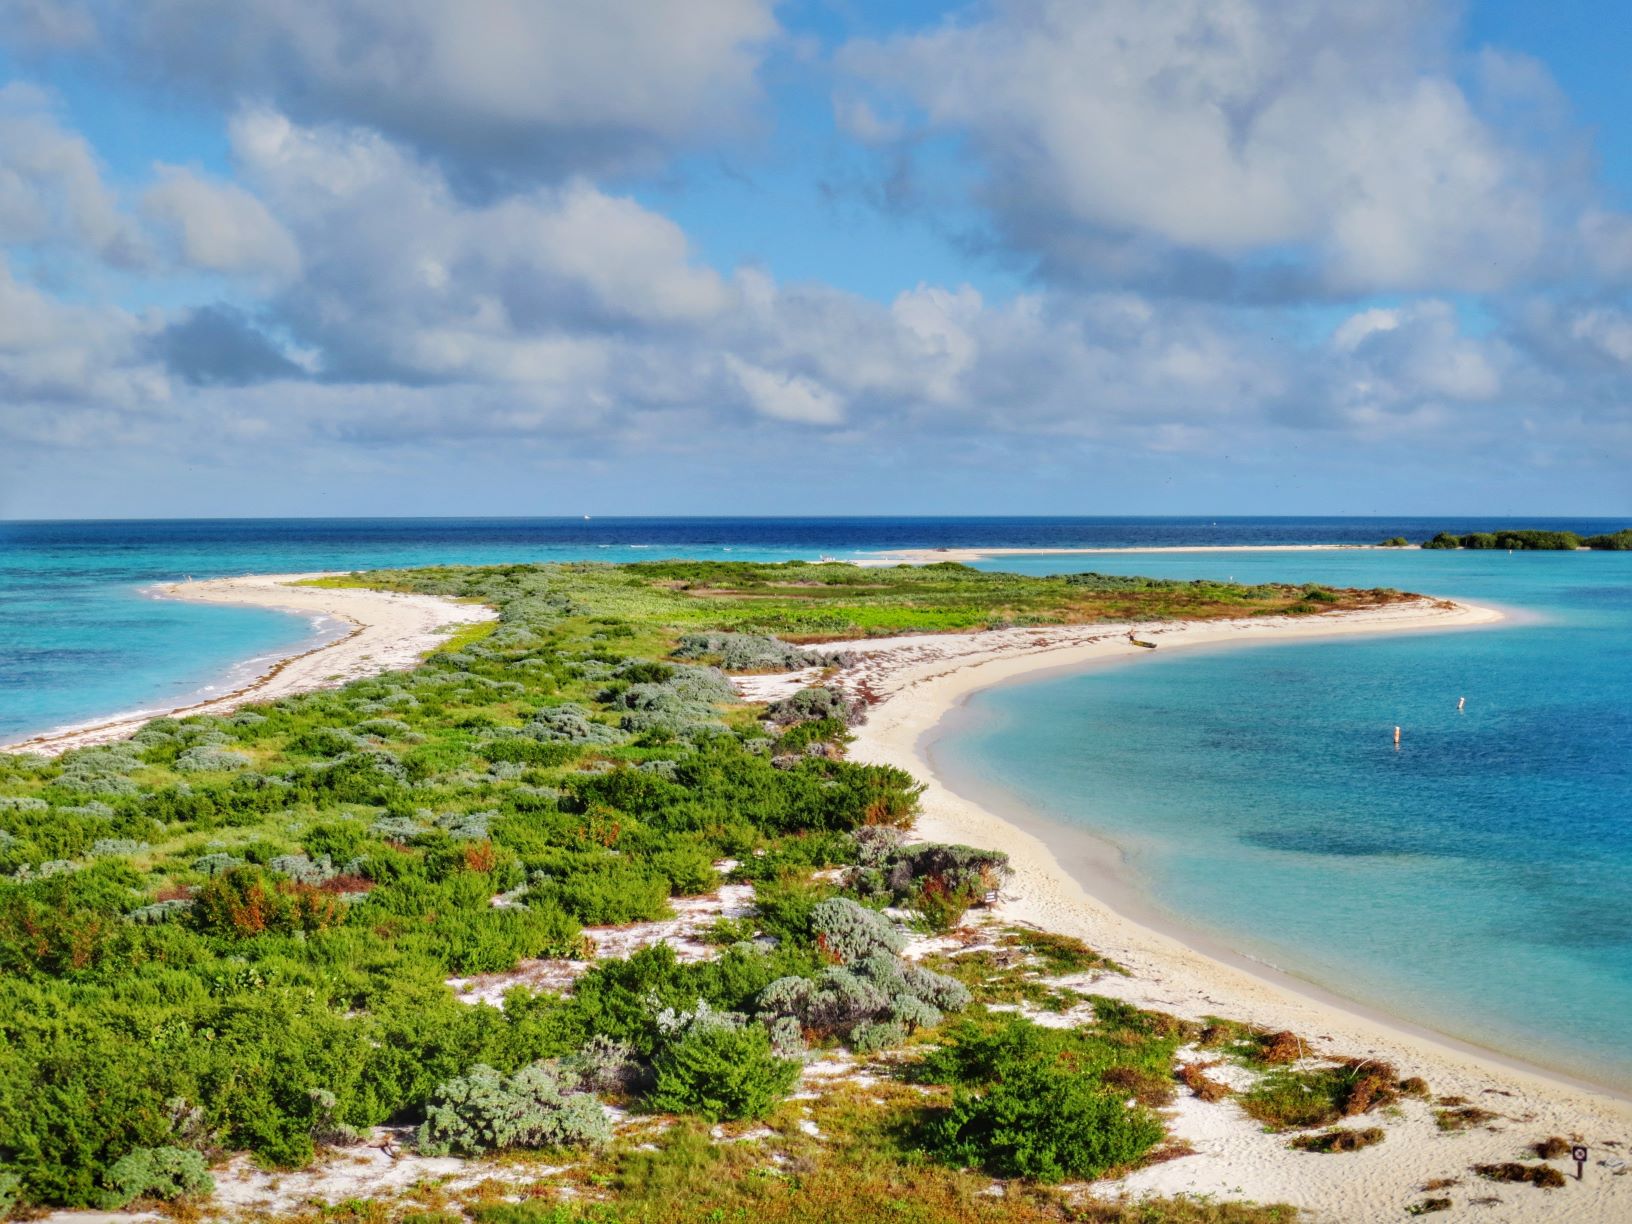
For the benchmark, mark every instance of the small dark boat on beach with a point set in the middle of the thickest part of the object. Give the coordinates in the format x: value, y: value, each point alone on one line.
x: 1141, y: 642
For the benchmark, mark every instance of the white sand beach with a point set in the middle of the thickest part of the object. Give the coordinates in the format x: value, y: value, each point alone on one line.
x: 388, y: 631
x: 913, y: 682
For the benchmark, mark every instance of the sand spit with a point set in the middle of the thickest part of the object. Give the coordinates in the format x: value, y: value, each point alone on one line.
x: 911, y: 683
x: 387, y: 632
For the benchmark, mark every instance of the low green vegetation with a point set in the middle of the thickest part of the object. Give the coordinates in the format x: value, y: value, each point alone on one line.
x: 1527, y: 541
x: 1297, y: 1098
x: 685, y: 601
x: 250, y: 933
x: 1052, y: 1103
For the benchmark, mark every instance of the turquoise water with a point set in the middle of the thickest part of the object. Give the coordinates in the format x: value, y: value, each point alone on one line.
x: 1475, y: 881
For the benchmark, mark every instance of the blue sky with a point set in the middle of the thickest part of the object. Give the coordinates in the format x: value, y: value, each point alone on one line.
x: 1214, y: 256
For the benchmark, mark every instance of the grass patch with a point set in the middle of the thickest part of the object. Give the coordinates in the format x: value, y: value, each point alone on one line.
x: 1288, y: 1099
x: 1251, y: 1046
x: 992, y: 978
x: 1059, y: 954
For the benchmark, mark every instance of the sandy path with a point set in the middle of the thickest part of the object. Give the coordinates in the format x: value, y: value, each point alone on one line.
x: 915, y: 681
x: 388, y: 632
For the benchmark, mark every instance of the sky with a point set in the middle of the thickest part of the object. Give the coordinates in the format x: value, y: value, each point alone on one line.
x: 357, y: 257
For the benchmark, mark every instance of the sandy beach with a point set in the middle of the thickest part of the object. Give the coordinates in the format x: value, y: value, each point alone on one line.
x: 387, y: 631
x: 913, y: 683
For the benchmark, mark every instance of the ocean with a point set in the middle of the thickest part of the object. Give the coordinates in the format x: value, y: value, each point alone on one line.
x: 1475, y: 881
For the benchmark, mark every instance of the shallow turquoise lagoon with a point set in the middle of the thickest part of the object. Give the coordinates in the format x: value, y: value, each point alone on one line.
x: 1477, y: 881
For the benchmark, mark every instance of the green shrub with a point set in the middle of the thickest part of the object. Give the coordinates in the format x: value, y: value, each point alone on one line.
x: 157, y: 1173
x: 1043, y: 1123
x: 721, y: 1070
x: 484, y: 1111
x: 609, y: 892
x: 800, y: 736
x: 523, y: 751
x: 528, y: 1211
x: 786, y: 903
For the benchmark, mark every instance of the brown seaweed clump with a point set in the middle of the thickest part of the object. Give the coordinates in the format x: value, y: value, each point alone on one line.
x: 1373, y: 1084
x: 1280, y: 1048
x: 1340, y: 1140
x: 1543, y: 1177
x: 1194, y: 1077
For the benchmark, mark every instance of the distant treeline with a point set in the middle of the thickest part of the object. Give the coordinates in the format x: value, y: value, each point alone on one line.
x: 1534, y: 541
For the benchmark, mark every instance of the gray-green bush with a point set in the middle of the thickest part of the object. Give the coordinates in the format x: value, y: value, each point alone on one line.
x: 156, y: 1173
x: 541, y: 1105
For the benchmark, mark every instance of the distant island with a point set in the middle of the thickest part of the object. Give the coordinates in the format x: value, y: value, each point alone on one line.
x: 1523, y: 540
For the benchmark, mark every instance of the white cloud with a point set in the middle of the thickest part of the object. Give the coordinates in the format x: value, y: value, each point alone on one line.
x: 1326, y: 135
x: 504, y: 89
x: 1413, y: 362
x: 1606, y: 330
x: 786, y: 397
x: 220, y: 227
x: 66, y: 368
x: 51, y: 186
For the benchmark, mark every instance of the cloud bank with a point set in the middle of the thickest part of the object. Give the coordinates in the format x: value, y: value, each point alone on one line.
x: 1246, y: 234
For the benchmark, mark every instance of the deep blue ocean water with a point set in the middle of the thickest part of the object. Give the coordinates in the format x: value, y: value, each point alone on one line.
x: 1476, y: 881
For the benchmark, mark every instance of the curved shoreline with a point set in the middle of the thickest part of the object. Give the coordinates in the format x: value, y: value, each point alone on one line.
x: 1174, y: 971
x: 1096, y: 863
x: 387, y: 631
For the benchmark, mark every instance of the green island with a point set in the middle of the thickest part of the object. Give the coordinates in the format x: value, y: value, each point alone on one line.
x: 1523, y: 540
x: 255, y: 938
